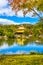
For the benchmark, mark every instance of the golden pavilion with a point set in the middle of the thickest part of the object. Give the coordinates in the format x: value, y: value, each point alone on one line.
x: 20, y: 30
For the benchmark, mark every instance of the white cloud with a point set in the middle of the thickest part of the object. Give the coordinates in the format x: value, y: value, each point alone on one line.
x: 7, y: 53
x: 30, y: 14
x: 15, y: 44
x: 6, y: 21
x: 4, y: 46
x: 20, y: 52
x: 7, y: 11
x: 20, y: 13
x: 25, y: 23
x: 17, y: 52
x: 3, y: 3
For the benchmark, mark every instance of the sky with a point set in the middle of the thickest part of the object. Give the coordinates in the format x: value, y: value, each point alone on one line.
x: 7, y: 16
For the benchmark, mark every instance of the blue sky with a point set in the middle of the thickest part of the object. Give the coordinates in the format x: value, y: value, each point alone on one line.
x: 20, y: 19
x: 6, y: 14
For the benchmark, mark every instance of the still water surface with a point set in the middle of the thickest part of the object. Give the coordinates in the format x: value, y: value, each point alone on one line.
x: 19, y: 46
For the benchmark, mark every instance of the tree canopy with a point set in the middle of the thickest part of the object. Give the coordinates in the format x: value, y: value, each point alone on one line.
x: 27, y: 6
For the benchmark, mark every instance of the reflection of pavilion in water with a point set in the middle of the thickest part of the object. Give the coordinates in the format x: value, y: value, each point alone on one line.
x: 20, y: 41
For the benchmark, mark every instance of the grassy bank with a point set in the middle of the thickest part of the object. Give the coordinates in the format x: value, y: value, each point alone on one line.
x: 21, y: 60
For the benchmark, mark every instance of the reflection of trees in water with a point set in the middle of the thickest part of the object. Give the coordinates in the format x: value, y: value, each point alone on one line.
x: 39, y: 43
x: 2, y: 41
x: 39, y: 40
x: 22, y: 41
x: 25, y: 41
x: 10, y: 41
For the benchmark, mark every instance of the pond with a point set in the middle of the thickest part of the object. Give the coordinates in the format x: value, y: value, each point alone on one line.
x: 20, y: 46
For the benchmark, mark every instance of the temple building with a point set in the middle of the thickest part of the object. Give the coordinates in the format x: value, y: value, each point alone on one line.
x: 20, y: 30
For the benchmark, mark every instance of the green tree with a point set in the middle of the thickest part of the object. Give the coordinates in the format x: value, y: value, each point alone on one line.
x: 1, y: 31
